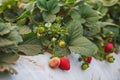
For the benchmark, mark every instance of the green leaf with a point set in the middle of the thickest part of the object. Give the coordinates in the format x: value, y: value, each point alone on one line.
x: 104, y: 24
x: 109, y: 2
x: 9, y: 35
x: 55, y: 10
x: 42, y: 4
x: 71, y: 1
x: 103, y: 11
x: 9, y: 58
x: 9, y: 15
x: 24, y: 15
x: 30, y: 6
x: 14, y: 36
x: 28, y: 36
x: 31, y: 47
x: 61, y: 51
x: 78, y: 43
x: 6, y: 42
x: 113, y: 29
x: 24, y: 30
x: 1, y: 20
x: 48, y: 17
x: 83, y: 47
x: 25, y: 1
x: 4, y: 29
x: 93, y: 30
x: 51, y: 4
x: 75, y: 14
x: 88, y: 14
x: 92, y: 20
x: 75, y: 30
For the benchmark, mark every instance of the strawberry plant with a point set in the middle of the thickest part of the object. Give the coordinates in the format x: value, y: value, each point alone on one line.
x: 89, y: 28
x: 9, y: 38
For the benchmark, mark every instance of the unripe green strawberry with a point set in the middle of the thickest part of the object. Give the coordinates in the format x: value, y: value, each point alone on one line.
x: 53, y: 39
x: 63, y: 31
x: 41, y: 30
x: 54, y: 30
x: 39, y: 35
x: 111, y: 33
x: 9, y: 6
x: 54, y: 62
x: 109, y: 39
x: 111, y: 59
x: 84, y: 66
x: 62, y: 43
x: 107, y: 56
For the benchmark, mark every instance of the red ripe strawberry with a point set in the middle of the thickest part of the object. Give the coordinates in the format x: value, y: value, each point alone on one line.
x: 89, y: 59
x: 64, y: 63
x: 108, y: 47
x: 54, y: 62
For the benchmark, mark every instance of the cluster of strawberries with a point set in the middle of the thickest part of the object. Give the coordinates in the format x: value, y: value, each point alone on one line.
x: 63, y: 63
x: 87, y: 61
x: 109, y: 48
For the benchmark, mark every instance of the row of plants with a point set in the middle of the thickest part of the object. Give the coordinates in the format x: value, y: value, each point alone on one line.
x: 89, y: 28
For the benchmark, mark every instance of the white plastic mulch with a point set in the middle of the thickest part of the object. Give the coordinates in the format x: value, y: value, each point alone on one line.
x: 36, y: 68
